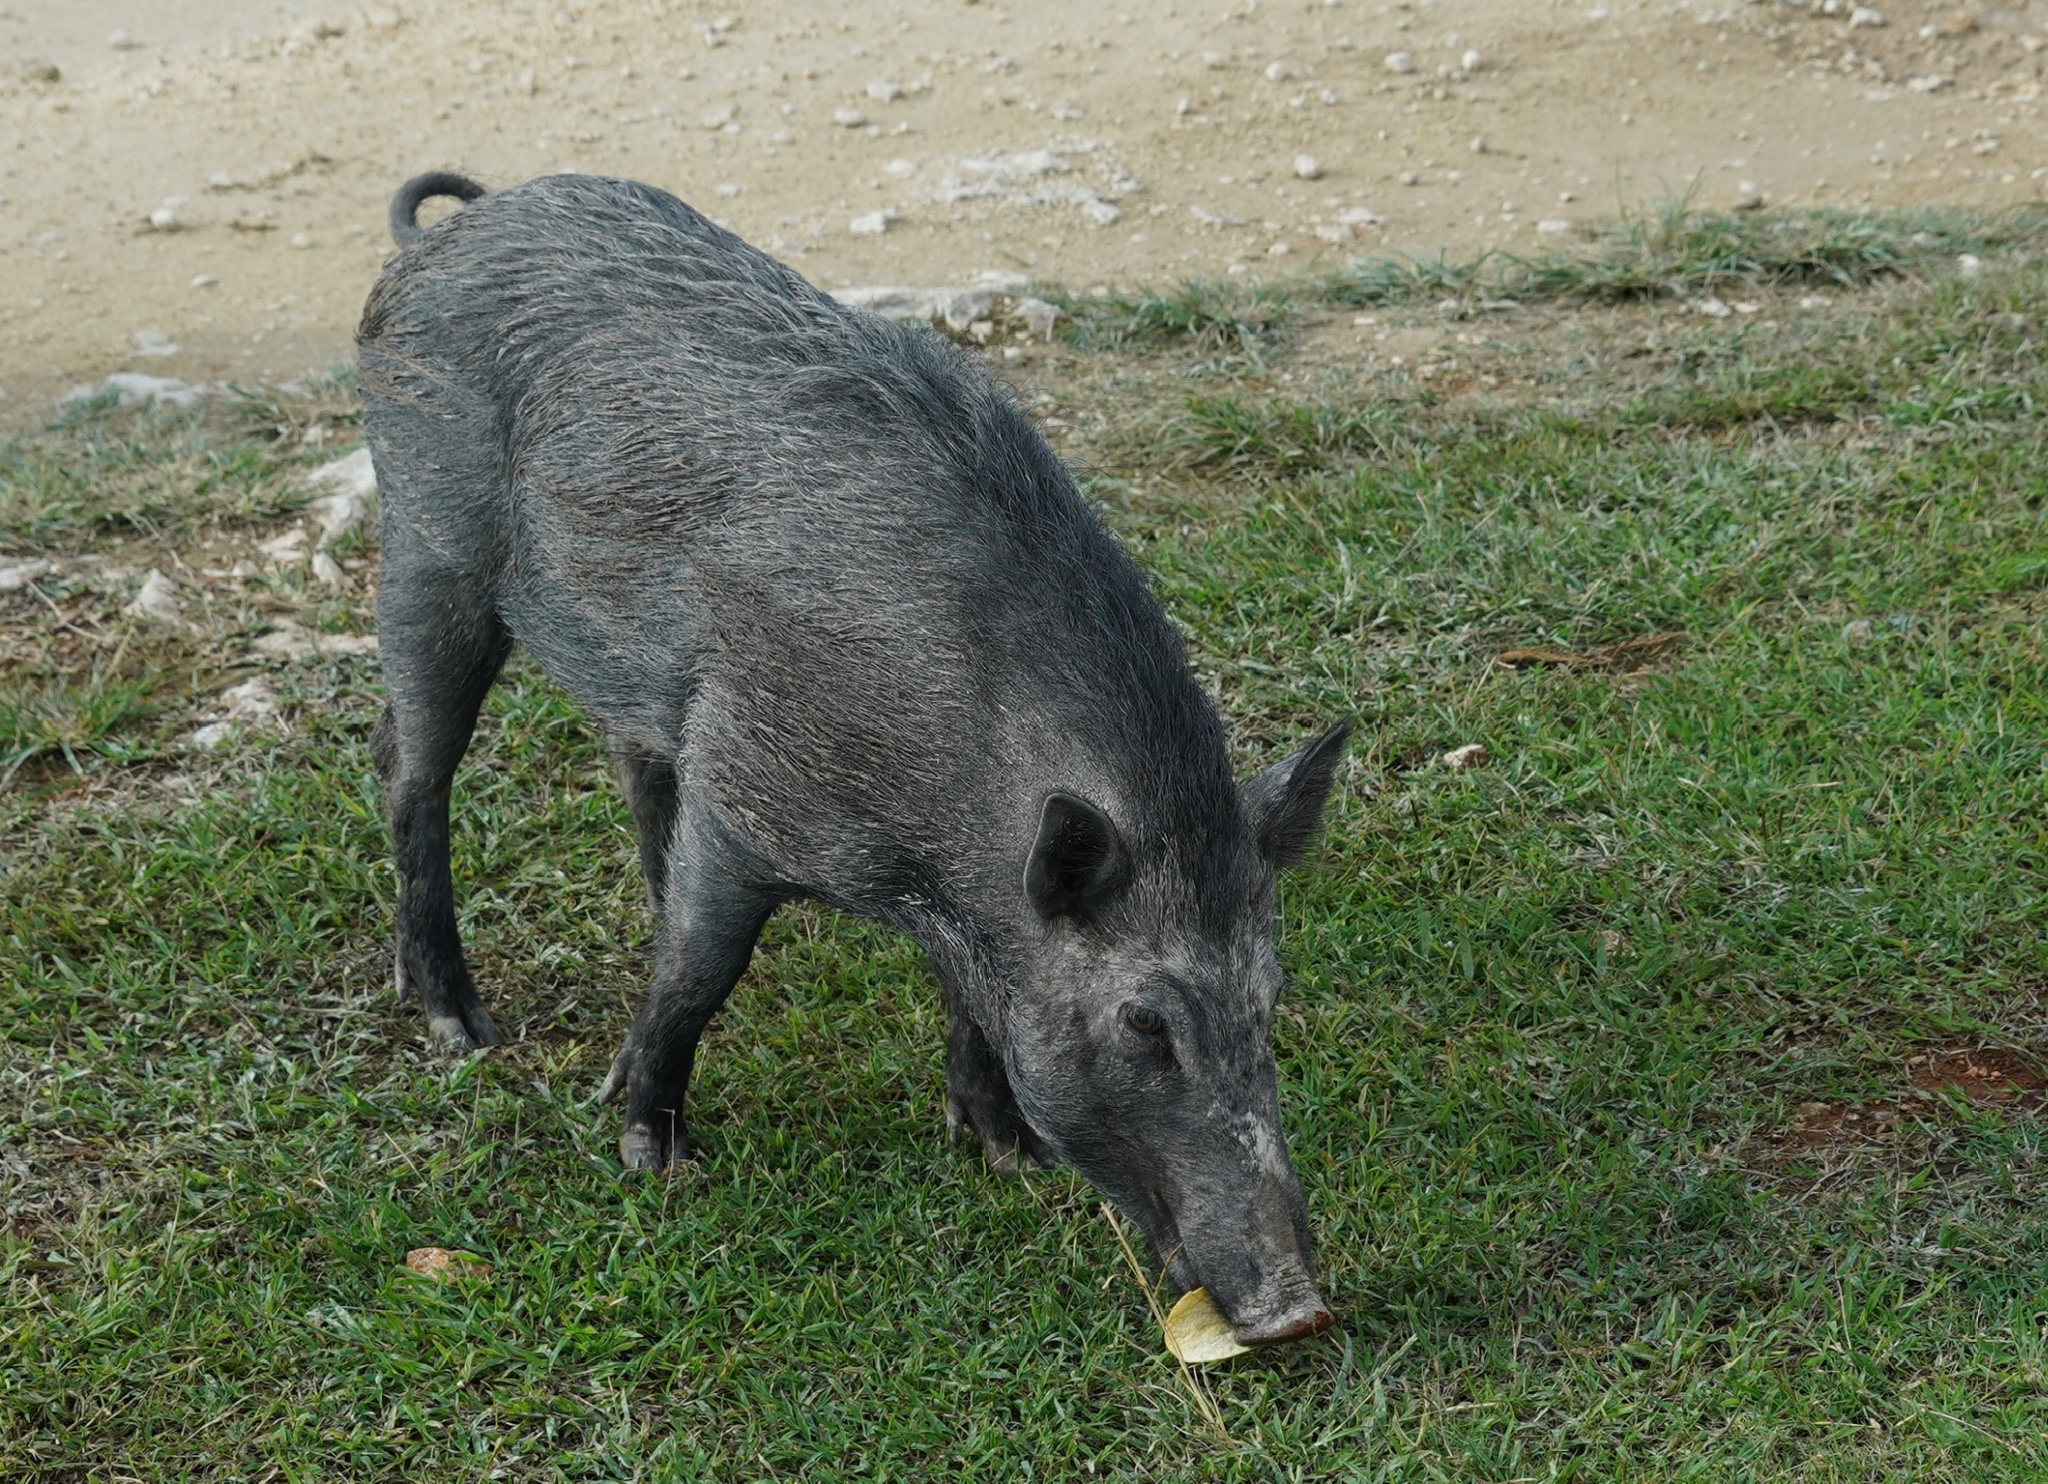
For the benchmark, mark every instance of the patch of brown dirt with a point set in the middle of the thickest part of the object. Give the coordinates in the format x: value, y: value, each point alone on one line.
x: 1629, y: 654
x: 207, y: 191
x: 1984, y: 1076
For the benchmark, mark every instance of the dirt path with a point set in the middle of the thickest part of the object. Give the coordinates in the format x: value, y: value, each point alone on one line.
x: 1088, y: 144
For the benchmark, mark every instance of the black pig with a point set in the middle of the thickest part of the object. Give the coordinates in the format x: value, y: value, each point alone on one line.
x: 854, y: 636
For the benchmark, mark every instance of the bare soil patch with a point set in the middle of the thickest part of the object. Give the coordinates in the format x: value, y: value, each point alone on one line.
x: 205, y: 200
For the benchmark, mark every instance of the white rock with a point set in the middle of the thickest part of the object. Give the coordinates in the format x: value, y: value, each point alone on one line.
x: 164, y: 218
x: 21, y: 574
x: 1337, y: 234
x: 302, y: 239
x: 211, y: 735
x: 204, y: 281
x: 1866, y: 15
x: 158, y: 599
x: 155, y: 343
x: 1399, y: 62
x: 1069, y: 113
x: 327, y: 571
x: 1463, y: 759
x: 1748, y: 197
x: 1933, y: 83
x: 1472, y: 61
x: 1308, y: 167
x: 1022, y: 164
x: 872, y: 223
x: 1359, y: 216
x: 286, y: 548
x: 900, y: 169
x: 1098, y: 211
x: 1713, y: 308
x: 220, y: 180
x: 1278, y: 72
x: 1553, y: 226
x: 1279, y: 250
x: 132, y: 389
x: 1969, y: 264
x: 885, y: 92
x: 848, y: 118
x: 728, y: 188
x: 1038, y: 316
x: 717, y: 116
x: 350, y: 481
x: 1411, y: 177
x: 289, y: 641
x: 121, y: 41
x: 956, y: 309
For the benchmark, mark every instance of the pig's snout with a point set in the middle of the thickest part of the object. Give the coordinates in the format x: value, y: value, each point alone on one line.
x: 1259, y: 1272
x: 1285, y: 1308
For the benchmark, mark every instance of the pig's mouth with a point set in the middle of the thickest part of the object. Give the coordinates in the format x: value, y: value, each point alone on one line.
x: 1282, y: 1305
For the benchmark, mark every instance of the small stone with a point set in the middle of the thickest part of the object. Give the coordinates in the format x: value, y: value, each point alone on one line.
x: 18, y: 576
x: 165, y: 218
x: 1410, y: 177
x: 900, y: 169
x: 121, y: 41
x: 302, y: 239
x: 1553, y: 226
x: 1748, y: 197
x: 1858, y: 631
x: 1360, y: 216
x: 871, y: 224
x: 1328, y: 97
x: 1308, y: 167
x: 1038, y: 316
x: 728, y: 188
x: 327, y: 571
x: 220, y: 180
x: 1464, y: 759
x: 848, y: 118
x: 1478, y: 144
x: 1399, y: 62
x: 381, y: 18
x: 1865, y: 15
x: 1278, y: 72
x: 527, y: 81
x: 158, y: 600
x: 1969, y: 264
x: 155, y: 343
x: 1713, y: 308
x: 1567, y: 196
x: 204, y: 281
x: 1279, y: 250
x: 1472, y: 61
x: 885, y: 92
x: 717, y: 116
x: 1069, y: 113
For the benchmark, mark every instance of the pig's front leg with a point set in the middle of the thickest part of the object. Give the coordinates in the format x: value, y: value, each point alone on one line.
x: 978, y: 1097
x: 712, y: 916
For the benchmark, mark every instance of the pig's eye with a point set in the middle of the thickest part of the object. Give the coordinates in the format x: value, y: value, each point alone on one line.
x: 1143, y: 1019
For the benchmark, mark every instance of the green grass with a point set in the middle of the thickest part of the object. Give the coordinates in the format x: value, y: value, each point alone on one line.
x: 1667, y: 252
x: 1553, y: 1021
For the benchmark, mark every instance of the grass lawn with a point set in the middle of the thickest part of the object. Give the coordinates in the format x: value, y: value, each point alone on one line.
x: 1667, y: 1087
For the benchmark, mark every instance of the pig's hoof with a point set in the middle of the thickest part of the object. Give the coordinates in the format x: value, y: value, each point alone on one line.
x: 650, y: 1150
x: 466, y: 1031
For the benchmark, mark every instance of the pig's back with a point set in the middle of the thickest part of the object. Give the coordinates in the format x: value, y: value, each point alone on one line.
x: 735, y: 503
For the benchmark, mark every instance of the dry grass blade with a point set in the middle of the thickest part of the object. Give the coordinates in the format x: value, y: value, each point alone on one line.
x: 1204, y: 1402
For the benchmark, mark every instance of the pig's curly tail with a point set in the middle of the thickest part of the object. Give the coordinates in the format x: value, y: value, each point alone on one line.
x: 405, y: 227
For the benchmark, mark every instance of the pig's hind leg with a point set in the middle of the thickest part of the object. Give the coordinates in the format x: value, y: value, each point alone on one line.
x: 441, y: 646
x: 711, y: 907
x: 650, y: 788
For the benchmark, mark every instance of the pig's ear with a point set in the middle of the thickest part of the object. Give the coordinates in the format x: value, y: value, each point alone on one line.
x: 1077, y: 862
x: 1284, y: 804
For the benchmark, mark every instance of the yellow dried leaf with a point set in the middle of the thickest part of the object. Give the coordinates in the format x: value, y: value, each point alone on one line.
x: 439, y: 1262
x: 1196, y: 1330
